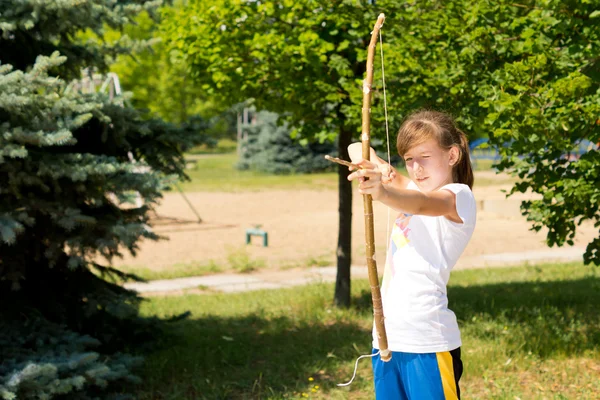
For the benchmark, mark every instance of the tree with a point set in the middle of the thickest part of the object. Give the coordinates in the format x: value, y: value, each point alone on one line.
x: 269, y: 148
x: 157, y: 76
x: 513, y: 72
x: 540, y: 104
x: 528, y: 75
x: 62, y: 153
x: 304, y: 59
x: 158, y: 80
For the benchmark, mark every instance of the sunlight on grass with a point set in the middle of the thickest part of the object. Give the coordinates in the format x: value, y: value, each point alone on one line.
x: 223, y: 146
x: 176, y: 271
x: 218, y: 173
x: 528, y: 332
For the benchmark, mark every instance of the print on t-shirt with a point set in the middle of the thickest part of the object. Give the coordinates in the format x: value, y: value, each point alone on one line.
x: 399, y: 239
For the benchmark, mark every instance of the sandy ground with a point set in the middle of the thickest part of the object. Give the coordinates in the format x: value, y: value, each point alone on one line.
x: 303, y: 225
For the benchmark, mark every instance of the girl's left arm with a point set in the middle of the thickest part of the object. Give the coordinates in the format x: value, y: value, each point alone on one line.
x: 433, y: 204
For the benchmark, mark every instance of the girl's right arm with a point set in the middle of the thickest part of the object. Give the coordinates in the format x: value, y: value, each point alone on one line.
x: 399, y: 181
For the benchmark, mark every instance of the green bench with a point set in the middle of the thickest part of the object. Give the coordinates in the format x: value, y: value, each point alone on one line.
x: 256, y: 231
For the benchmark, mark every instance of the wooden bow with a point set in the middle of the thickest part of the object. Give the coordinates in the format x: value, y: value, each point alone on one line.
x: 385, y: 353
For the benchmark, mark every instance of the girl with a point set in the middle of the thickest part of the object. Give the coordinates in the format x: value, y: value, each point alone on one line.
x: 437, y: 213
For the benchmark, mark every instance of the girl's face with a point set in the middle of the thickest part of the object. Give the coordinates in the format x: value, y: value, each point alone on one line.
x: 429, y: 165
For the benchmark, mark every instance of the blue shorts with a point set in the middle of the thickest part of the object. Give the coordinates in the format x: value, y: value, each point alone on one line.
x: 412, y: 376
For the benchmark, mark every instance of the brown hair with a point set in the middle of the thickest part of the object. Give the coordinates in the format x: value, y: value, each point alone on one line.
x: 423, y: 125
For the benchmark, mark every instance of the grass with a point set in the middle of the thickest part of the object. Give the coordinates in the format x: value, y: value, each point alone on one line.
x: 483, y: 165
x: 241, y: 261
x: 528, y: 333
x: 217, y: 173
x: 223, y: 146
x: 238, y: 258
x: 180, y: 270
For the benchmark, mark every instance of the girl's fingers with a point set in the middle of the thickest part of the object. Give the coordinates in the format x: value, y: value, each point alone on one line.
x: 369, y: 173
x: 366, y: 164
x: 368, y: 185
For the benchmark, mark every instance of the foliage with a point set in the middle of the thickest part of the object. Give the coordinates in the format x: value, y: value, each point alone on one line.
x: 44, y: 360
x: 72, y: 167
x: 517, y: 73
x: 525, y: 74
x: 301, y: 59
x: 159, y: 82
x: 269, y: 148
x: 542, y: 103
x: 30, y: 28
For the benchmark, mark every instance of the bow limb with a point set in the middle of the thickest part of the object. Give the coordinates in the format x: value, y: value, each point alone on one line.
x: 385, y: 353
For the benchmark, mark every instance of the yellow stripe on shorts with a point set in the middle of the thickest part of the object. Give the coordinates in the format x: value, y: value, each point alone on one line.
x: 444, y: 360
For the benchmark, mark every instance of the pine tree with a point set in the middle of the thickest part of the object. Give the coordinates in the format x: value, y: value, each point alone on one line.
x: 270, y: 148
x: 67, y: 199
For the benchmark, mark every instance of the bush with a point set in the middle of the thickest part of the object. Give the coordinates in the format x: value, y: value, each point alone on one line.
x: 270, y: 148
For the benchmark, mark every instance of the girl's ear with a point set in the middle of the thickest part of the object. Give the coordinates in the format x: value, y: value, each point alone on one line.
x: 454, y: 155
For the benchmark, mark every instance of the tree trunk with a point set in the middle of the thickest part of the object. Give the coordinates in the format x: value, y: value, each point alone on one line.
x: 344, y: 246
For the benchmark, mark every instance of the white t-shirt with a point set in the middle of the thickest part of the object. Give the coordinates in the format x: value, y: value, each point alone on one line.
x: 422, y: 252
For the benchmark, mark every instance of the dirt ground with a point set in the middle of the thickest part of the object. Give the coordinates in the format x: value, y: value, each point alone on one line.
x: 302, y: 226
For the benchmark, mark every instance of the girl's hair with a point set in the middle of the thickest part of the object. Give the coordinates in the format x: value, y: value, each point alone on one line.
x: 424, y: 125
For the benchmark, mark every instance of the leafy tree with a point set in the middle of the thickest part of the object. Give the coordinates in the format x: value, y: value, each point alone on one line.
x: 525, y: 74
x: 158, y: 77
x: 304, y: 59
x: 64, y: 159
x: 540, y: 104
x: 159, y: 82
x: 515, y: 72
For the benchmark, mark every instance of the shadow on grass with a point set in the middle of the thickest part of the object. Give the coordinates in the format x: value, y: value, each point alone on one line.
x: 545, y: 318
x: 257, y: 356
x: 251, y: 358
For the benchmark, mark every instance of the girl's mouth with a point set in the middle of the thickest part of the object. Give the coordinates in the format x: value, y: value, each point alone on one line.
x: 421, y: 179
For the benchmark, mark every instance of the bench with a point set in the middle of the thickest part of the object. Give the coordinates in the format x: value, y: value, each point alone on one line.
x: 256, y: 231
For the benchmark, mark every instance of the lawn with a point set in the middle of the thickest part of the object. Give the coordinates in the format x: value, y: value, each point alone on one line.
x: 528, y: 333
x: 217, y: 173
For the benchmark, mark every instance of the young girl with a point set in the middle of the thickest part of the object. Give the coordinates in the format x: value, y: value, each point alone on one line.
x: 436, y: 219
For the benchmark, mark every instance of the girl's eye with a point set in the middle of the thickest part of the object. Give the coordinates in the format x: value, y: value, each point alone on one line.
x: 407, y: 159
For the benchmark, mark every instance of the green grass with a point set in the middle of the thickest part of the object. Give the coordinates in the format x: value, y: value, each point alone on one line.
x: 176, y: 271
x: 502, y: 180
x: 217, y: 173
x: 241, y: 261
x: 528, y: 333
x: 238, y: 260
x: 483, y: 165
x: 223, y: 146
